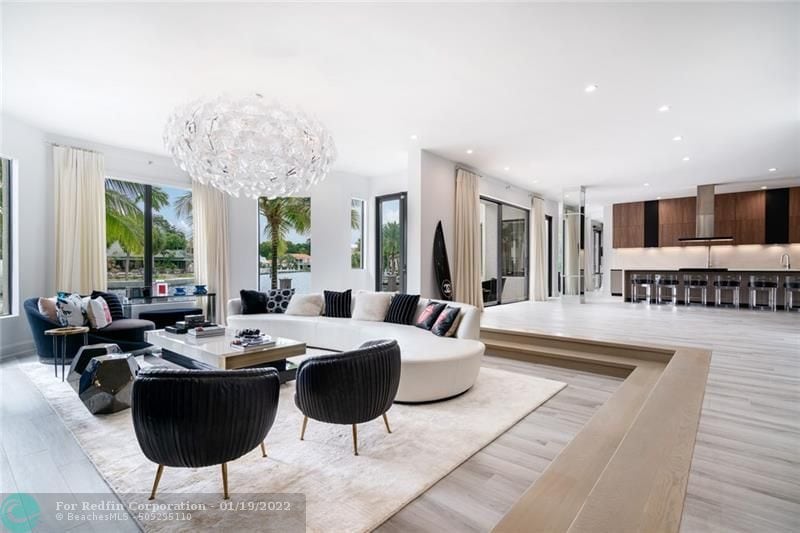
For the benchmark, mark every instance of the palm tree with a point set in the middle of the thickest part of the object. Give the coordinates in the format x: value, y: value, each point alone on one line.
x: 282, y: 215
x: 124, y: 216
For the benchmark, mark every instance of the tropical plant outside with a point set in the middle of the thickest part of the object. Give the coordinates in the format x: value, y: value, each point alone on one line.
x: 282, y: 217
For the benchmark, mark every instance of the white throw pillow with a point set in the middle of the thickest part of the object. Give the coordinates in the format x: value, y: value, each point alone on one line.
x: 98, y: 312
x: 372, y: 305
x: 305, y: 305
x: 72, y: 309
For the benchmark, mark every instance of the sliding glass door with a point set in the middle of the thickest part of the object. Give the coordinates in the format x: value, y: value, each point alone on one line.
x: 390, y: 246
x: 504, y: 252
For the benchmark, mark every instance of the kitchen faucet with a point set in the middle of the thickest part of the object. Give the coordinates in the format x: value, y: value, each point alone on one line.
x: 788, y: 264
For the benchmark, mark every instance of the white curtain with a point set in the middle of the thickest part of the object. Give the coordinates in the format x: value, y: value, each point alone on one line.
x: 467, y: 278
x: 540, y: 266
x: 80, y: 220
x: 210, y: 219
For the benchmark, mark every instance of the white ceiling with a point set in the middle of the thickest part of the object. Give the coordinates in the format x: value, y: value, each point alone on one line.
x: 504, y: 80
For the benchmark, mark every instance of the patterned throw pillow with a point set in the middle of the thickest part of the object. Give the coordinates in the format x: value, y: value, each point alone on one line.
x: 429, y: 315
x: 337, y: 304
x: 278, y: 300
x: 49, y: 308
x: 447, y: 323
x: 71, y: 307
x: 402, y: 309
x: 98, y: 313
x: 114, y: 304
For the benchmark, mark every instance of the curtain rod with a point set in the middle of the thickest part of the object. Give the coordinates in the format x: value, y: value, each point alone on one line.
x: 74, y: 147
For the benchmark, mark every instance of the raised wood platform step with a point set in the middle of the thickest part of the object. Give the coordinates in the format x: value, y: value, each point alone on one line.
x: 627, y: 469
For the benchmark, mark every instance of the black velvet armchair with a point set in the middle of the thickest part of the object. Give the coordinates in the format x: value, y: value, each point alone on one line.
x: 127, y: 333
x: 351, y: 387
x: 197, y: 418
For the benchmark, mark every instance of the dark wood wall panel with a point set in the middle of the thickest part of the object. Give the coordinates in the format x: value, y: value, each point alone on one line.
x: 651, y: 224
x: 677, y: 219
x: 794, y: 214
x: 725, y: 215
x: 776, y: 223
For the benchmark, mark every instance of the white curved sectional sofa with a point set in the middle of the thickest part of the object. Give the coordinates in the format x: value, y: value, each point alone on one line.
x: 432, y: 367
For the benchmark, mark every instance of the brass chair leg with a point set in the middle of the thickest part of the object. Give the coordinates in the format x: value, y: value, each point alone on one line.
x: 225, y: 481
x: 386, y: 421
x: 303, y: 431
x: 263, y: 450
x: 155, y: 483
x: 355, y: 440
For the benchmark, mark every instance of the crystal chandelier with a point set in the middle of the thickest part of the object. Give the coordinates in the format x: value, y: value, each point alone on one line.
x: 248, y: 146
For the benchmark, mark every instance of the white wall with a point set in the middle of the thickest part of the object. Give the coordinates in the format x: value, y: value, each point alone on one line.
x: 33, y: 230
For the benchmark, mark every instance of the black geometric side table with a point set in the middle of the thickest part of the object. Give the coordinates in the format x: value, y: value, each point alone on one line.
x: 105, y: 386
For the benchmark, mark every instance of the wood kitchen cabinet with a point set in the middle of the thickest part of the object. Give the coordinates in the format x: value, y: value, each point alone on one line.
x: 725, y: 215
x: 750, y: 217
x: 676, y: 219
x: 628, y: 225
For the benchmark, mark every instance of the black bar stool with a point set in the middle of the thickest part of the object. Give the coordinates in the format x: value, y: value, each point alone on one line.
x: 727, y: 282
x: 768, y: 284
x: 667, y: 281
x: 641, y: 280
x: 791, y: 285
x: 695, y: 282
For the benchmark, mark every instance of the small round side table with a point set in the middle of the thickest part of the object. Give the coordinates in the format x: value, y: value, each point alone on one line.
x: 63, y: 333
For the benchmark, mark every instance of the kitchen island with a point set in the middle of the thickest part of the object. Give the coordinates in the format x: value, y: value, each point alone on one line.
x: 779, y: 275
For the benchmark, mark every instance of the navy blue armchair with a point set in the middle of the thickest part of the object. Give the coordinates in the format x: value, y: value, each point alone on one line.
x: 127, y: 333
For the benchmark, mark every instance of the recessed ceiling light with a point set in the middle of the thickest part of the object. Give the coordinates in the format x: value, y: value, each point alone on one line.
x: 590, y: 88
x: 413, y: 137
x: 658, y: 198
x: 535, y: 181
x: 763, y: 187
x: 677, y: 138
x: 773, y: 169
x: 646, y: 184
x: 506, y: 168
x: 686, y: 158
x: 663, y: 109
x: 469, y: 151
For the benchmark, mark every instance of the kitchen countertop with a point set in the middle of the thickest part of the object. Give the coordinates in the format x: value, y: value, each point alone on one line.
x: 713, y: 270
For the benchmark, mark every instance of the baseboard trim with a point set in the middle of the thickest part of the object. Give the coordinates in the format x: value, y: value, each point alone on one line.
x: 17, y: 350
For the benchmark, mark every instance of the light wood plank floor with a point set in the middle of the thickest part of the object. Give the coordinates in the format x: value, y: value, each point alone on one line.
x: 746, y: 467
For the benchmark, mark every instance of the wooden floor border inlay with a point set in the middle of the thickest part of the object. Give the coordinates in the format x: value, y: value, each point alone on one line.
x: 628, y: 468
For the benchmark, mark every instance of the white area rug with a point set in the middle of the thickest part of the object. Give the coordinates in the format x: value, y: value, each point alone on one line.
x: 343, y: 492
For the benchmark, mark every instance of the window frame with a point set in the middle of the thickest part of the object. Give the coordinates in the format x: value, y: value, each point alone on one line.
x: 10, y: 251
x: 362, y: 234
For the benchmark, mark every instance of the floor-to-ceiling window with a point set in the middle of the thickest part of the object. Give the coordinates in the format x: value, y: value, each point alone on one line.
x: 548, y: 224
x: 390, y: 245
x: 504, y: 252
x: 148, y: 235
x: 284, y: 244
x: 5, y: 236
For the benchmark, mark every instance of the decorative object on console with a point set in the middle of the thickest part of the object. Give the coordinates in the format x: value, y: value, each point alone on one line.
x: 441, y: 264
x: 372, y: 305
x: 105, y: 385
x: 327, y: 392
x: 337, y: 304
x: 429, y: 315
x: 181, y: 417
x: 82, y: 358
x: 200, y: 290
x: 306, y: 305
x: 161, y: 288
x: 248, y: 146
x: 447, y: 322
x: 180, y: 291
x: 402, y: 308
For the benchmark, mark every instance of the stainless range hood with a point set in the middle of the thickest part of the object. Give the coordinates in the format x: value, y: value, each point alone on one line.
x: 704, y: 232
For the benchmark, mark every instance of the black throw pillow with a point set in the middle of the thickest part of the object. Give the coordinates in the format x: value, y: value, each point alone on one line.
x: 402, y: 308
x: 447, y: 323
x: 114, y: 303
x: 253, y: 302
x: 429, y: 315
x: 337, y: 304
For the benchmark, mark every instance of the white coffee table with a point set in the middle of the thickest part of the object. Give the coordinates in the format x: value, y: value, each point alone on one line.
x: 216, y: 352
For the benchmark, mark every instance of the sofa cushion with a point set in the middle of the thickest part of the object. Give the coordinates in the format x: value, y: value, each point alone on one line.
x: 71, y: 306
x: 114, y: 303
x: 98, y: 313
x: 371, y: 305
x: 305, y: 305
x: 447, y: 322
x: 253, y: 302
x: 428, y: 317
x: 402, y: 309
x: 49, y: 308
x: 337, y: 304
